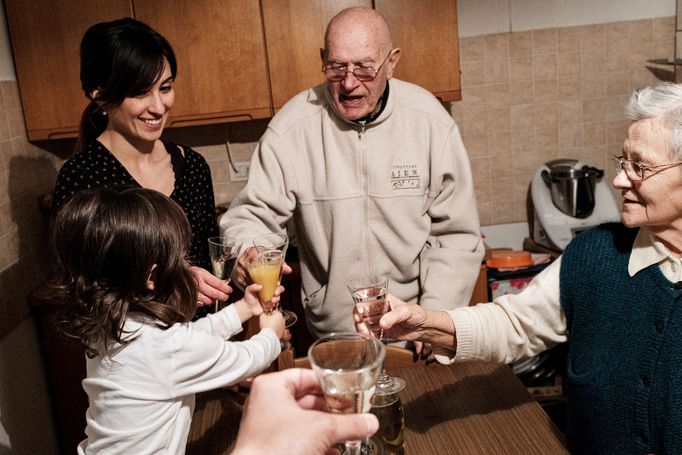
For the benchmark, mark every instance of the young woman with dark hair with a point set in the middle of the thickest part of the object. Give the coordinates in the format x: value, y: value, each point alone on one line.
x: 127, y: 72
x: 127, y: 295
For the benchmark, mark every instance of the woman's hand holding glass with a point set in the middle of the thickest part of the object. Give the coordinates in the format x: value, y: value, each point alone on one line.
x: 209, y: 287
x: 369, y: 295
x: 410, y: 322
x: 224, y: 253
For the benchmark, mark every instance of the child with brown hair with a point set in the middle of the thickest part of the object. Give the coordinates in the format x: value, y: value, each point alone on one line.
x: 129, y: 296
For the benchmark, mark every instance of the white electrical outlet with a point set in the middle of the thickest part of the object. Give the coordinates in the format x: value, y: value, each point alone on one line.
x: 242, y: 173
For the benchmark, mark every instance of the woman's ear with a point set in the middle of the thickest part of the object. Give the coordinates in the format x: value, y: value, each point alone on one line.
x: 150, y: 278
x: 93, y: 94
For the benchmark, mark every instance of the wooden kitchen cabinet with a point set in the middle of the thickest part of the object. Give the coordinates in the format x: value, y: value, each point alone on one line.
x: 45, y: 37
x: 222, y: 71
x: 237, y: 60
x: 219, y: 46
x: 426, y: 33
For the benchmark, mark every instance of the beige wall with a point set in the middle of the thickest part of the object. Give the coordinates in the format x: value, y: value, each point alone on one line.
x: 530, y: 97
x: 25, y: 173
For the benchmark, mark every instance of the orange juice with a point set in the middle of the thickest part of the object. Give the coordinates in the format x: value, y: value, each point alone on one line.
x: 266, y: 275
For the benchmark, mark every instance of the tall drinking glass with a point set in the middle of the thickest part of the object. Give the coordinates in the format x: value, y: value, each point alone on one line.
x: 264, y: 264
x: 224, y: 253
x: 369, y: 294
x: 347, y: 365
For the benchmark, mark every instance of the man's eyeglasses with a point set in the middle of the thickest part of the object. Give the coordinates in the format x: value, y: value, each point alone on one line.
x: 335, y: 72
x: 638, y: 171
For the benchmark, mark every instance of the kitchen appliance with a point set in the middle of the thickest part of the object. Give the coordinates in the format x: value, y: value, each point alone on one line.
x: 566, y: 198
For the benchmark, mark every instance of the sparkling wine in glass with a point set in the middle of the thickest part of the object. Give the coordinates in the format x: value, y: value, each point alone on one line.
x: 347, y: 365
x: 369, y: 294
x: 224, y: 253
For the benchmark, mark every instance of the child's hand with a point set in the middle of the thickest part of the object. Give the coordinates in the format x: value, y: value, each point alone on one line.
x: 253, y: 301
x: 253, y: 305
x: 274, y: 321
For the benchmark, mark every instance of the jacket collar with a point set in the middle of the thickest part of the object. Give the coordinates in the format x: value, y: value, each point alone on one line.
x: 382, y: 113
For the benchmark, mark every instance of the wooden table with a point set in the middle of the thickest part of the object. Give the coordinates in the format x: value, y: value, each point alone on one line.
x: 467, y: 408
x: 473, y: 408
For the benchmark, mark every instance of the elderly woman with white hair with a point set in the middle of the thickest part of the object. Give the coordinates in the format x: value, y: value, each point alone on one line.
x: 615, y: 294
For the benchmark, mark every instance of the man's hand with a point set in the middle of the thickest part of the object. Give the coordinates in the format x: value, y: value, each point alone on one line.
x: 289, y: 408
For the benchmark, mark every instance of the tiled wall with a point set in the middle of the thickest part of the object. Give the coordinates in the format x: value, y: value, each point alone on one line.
x: 527, y: 98
x: 531, y: 97
x: 26, y: 172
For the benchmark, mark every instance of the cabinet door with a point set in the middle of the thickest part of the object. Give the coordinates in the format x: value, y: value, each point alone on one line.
x: 222, y: 71
x: 294, y: 33
x: 45, y: 37
x: 426, y: 32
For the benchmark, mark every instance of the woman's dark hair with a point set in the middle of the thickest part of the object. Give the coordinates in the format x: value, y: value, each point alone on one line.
x: 120, y: 59
x: 109, y: 242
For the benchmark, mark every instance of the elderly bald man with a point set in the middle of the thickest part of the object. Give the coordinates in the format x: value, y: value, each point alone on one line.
x: 371, y: 175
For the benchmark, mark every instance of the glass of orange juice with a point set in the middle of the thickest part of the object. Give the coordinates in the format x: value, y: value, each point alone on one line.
x: 264, y: 264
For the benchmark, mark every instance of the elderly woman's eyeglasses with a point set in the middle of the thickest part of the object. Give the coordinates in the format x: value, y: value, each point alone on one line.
x: 335, y: 72
x: 638, y: 171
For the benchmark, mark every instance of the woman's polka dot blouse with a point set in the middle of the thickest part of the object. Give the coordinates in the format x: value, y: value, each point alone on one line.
x: 97, y: 167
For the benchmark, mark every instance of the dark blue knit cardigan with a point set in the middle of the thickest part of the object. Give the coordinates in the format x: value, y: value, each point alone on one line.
x: 624, y: 371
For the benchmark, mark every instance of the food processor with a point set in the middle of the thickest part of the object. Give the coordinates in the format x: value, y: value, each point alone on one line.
x: 567, y: 197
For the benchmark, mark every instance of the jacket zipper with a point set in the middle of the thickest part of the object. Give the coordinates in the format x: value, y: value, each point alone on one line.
x: 365, y: 191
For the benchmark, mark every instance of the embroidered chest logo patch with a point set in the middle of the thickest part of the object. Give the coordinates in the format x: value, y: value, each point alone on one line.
x: 405, y: 177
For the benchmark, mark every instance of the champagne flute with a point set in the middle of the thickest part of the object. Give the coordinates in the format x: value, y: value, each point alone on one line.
x: 369, y: 294
x: 347, y: 365
x: 265, y: 268
x: 224, y: 253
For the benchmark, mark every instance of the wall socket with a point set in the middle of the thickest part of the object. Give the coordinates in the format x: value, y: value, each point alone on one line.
x: 242, y: 173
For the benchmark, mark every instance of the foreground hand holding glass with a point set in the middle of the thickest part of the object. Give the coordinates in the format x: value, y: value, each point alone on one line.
x: 348, y: 366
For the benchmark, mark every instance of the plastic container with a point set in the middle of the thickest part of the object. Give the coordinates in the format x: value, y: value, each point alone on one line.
x: 509, y: 259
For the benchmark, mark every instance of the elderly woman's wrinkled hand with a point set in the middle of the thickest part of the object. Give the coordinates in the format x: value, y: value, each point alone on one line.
x: 404, y: 322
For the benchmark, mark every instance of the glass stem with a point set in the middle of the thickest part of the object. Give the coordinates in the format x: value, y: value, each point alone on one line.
x: 353, y: 448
